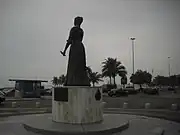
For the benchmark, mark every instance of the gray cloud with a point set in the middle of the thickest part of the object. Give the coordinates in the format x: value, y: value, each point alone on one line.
x: 33, y: 32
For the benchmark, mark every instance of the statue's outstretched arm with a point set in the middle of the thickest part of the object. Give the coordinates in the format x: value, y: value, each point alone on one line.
x: 69, y: 41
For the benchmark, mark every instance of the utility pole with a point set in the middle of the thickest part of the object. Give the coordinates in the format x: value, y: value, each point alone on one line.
x: 133, y: 39
x: 169, y: 66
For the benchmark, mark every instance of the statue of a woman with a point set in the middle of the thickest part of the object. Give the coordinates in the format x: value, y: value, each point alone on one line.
x: 76, y: 70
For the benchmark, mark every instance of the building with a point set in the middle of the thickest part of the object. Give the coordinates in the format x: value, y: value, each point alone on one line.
x: 28, y: 88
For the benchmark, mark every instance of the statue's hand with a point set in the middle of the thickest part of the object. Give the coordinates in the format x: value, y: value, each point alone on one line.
x: 63, y: 53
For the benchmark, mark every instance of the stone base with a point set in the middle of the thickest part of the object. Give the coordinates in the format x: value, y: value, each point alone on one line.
x: 43, y: 124
x: 77, y: 104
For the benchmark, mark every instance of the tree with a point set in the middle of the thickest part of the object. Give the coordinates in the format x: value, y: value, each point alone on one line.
x: 141, y: 77
x: 107, y: 68
x: 94, y: 77
x: 122, y: 73
x: 166, y: 81
x: 61, y: 79
x: 178, y: 80
x: 116, y: 65
x: 111, y: 68
x: 160, y: 80
x: 124, y: 80
x: 55, y: 81
x: 89, y: 71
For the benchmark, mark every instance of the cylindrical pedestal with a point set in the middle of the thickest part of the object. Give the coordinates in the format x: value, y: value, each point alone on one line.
x: 77, y: 104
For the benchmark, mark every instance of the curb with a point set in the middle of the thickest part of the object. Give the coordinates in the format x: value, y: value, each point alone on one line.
x: 26, y: 99
x: 22, y: 109
x: 113, y: 130
x: 101, y: 132
x: 164, y: 111
x: 22, y: 113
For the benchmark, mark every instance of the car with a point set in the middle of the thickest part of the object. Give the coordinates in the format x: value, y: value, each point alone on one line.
x: 117, y: 93
x: 2, y: 97
x: 46, y: 92
x: 171, y: 88
x: 49, y: 92
x: 107, y: 87
x: 130, y: 90
x: 151, y: 91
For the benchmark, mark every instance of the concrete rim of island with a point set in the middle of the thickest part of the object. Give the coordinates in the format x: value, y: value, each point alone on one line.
x: 112, y: 123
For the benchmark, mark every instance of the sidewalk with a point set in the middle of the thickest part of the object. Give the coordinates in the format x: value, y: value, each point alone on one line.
x: 143, y: 110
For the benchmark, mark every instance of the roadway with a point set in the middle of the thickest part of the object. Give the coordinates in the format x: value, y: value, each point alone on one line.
x: 163, y: 101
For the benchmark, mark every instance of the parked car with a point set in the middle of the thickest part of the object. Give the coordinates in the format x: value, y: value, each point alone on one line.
x: 151, y: 91
x: 131, y: 90
x: 117, y: 93
x: 45, y: 92
x: 171, y: 88
x: 49, y: 92
x: 107, y: 87
x: 2, y: 97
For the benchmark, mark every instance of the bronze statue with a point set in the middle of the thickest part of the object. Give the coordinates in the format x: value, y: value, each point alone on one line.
x: 76, y: 70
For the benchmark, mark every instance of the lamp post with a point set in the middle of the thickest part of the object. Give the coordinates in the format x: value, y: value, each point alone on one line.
x: 169, y: 66
x: 133, y: 39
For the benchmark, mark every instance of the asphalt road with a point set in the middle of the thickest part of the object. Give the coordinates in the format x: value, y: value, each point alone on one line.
x: 163, y: 101
x: 134, y: 102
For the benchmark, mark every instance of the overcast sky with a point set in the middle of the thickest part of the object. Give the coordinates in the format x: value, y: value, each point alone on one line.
x: 32, y: 32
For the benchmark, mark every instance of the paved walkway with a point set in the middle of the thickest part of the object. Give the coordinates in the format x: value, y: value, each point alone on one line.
x: 139, y: 125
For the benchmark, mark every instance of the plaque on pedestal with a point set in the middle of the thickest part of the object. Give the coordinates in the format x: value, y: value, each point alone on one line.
x: 61, y: 94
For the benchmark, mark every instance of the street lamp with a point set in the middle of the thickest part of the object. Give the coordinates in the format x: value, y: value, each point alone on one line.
x: 169, y: 66
x: 133, y: 39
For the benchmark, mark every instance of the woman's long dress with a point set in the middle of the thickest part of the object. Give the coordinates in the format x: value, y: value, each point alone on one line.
x: 76, y: 70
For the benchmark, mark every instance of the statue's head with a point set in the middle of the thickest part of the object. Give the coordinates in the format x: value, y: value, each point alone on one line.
x: 78, y: 21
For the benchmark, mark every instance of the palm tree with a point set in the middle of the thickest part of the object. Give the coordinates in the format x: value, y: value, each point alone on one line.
x: 124, y: 80
x: 89, y: 71
x: 61, y: 79
x: 116, y: 69
x: 94, y: 77
x: 55, y: 81
x: 122, y: 73
x: 111, y: 68
x: 107, y: 68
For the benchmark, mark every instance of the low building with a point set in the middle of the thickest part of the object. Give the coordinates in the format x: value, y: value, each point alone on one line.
x: 28, y: 88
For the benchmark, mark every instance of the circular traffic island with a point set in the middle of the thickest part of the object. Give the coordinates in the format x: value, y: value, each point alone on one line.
x: 43, y: 124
